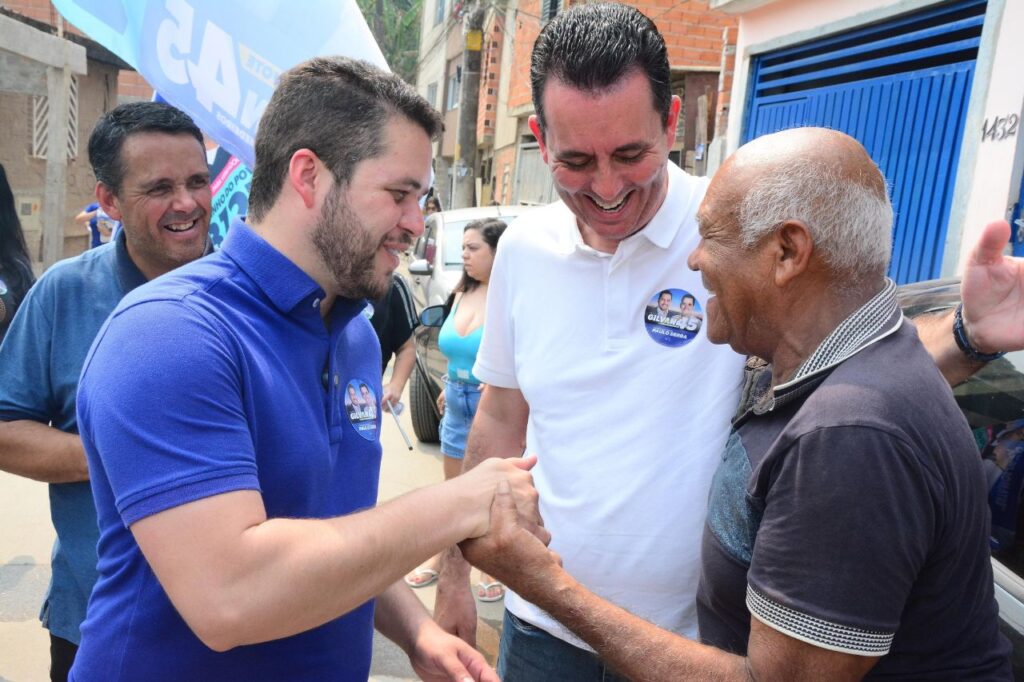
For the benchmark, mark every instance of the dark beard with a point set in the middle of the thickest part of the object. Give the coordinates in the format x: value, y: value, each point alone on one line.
x: 348, y: 250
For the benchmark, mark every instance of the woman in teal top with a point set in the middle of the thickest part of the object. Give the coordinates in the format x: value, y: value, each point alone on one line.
x: 459, y: 341
x: 461, y: 353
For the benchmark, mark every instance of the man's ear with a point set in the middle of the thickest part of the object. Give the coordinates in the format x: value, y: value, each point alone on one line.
x: 108, y: 201
x: 794, y: 247
x: 538, y: 133
x: 304, y: 175
x: 673, y: 119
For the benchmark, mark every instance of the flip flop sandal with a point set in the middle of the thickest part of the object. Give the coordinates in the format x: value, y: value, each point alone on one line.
x: 483, y: 588
x: 431, y: 577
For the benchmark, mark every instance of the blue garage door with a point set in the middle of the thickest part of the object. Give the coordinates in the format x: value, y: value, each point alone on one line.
x: 901, y: 88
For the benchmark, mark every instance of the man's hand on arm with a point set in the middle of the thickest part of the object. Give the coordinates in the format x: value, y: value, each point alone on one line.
x: 499, y: 429
x: 992, y: 291
x: 238, y: 578
x: 434, y: 654
x: 41, y: 452
x: 634, y: 647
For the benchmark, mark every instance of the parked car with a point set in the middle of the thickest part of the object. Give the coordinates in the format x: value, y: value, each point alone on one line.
x: 993, y: 403
x: 435, y: 268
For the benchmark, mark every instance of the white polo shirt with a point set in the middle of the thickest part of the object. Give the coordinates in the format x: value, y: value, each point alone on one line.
x: 628, y: 416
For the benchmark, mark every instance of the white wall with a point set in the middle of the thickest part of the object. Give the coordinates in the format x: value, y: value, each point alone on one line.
x: 994, y: 166
x: 431, y: 57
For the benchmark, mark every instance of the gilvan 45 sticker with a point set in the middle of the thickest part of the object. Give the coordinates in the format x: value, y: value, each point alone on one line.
x: 673, y: 317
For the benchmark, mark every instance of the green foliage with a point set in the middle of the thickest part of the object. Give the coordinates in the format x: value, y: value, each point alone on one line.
x: 396, y: 27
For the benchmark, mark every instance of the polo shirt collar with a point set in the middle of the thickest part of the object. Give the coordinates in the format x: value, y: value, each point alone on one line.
x: 283, y: 282
x: 128, y: 274
x: 660, y: 231
x: 872, y: 322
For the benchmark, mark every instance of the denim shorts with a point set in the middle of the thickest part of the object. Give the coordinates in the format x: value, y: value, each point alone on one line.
x: 461, y: 399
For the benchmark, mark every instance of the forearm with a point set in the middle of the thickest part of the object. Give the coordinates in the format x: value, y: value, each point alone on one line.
x: 400, y: 615
x: 498, y: 430
x: 631, y: 645
x: 936, y: 333
x: 41, y: 452
x: 405, y: 360
x: 278, y: 577
x: 499, y: 427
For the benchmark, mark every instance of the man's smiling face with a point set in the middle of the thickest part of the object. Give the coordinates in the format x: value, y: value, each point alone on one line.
x: 163, y: 201
x: 607, y: 150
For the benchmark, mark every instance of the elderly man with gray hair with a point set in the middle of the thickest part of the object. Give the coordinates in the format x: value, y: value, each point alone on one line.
x: 847, y: 525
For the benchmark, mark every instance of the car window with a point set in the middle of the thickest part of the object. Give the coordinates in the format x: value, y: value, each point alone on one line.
x: 453, y: 230
x: 993, y: 402
x: 453, y: 244
x: 429, y: 228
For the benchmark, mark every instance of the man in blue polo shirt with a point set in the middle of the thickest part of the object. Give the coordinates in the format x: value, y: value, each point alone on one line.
x: 239, y: 537
x: 151, y: 174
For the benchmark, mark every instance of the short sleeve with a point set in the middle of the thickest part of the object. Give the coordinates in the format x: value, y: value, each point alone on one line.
x: 846, y: 529
x: 161, y: 408
x: 495, y: 361
x: 25, y: 367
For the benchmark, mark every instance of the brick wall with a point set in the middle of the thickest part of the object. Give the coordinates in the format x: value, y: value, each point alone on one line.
x: 526, y: 30
x: 504, y: 167
x: 490, y: 73
x: 725, y: 76
x: 693, y: 31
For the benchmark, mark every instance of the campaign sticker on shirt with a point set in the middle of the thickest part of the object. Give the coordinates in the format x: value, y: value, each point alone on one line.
x: 673, y: 317
x: 361, y: 406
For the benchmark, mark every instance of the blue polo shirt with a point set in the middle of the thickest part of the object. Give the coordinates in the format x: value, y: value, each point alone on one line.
x: 223, y: 376
x: 40, y: 360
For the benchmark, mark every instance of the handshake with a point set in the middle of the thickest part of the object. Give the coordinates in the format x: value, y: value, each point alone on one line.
x: 509, y: 540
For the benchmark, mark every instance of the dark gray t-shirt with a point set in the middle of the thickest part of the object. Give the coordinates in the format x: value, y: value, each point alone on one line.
x: 852, y: 515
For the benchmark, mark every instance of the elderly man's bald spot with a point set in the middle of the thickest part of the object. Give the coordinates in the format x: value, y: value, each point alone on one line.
x: 845, y: 155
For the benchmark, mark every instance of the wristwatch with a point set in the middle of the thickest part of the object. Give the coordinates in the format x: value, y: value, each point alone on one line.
x: 960, y: 334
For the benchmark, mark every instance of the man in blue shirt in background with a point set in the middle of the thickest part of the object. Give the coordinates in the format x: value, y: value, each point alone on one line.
x: 151, y: 174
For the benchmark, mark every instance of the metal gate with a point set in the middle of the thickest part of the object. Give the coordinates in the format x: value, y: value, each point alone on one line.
x: 901, y: 88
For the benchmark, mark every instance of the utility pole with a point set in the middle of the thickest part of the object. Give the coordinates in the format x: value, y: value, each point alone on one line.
x: 465, y: 141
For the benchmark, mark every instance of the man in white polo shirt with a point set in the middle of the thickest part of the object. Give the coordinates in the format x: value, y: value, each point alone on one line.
x: 625, y: 502
x: 623, y: 492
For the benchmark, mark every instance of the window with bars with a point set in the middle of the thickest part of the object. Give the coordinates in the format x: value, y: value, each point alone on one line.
x: 41, y: 123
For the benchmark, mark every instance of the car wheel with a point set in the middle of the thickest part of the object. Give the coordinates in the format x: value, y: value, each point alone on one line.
x: 424, y: 416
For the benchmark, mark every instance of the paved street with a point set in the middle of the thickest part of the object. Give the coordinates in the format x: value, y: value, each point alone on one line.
x: 27, y: 536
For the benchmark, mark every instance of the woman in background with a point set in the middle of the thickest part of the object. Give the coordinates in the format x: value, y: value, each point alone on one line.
x: 15, y: 265
x: 459, y: 341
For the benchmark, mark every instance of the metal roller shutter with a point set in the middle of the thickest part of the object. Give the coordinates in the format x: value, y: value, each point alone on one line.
x: 901, y: 87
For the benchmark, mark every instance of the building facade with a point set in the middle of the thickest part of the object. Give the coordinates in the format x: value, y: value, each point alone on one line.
x: 510, y: 169
x: 38, y: 52
x: 932, y: 88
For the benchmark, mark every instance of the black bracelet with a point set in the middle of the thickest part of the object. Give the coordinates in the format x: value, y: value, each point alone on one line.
x: 960, y: 334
